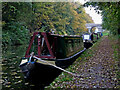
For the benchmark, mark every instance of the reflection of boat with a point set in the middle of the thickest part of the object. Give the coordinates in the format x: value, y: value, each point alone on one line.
x: 58, y: 50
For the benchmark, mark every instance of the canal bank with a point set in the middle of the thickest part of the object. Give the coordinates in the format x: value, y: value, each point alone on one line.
x: 97, y: 65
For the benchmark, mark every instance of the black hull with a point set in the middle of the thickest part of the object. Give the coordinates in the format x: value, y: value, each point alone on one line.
x: 87, y: 44
x: 64, y: 63
x: 42, y: 74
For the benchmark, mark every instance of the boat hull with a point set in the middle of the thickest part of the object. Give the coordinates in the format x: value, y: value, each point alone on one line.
x: 43, y: 74
x: 62, y: 50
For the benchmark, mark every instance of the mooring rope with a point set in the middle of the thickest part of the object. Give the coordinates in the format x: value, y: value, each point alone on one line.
x: 73, y: 74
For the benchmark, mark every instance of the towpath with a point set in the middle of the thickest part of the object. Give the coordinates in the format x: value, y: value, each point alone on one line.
x: 98, y: 70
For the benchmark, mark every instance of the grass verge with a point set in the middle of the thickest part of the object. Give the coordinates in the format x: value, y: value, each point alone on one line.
x: 115, y: 41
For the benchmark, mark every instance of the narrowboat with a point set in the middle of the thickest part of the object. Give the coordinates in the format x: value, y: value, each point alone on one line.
x: 50, y: 51
x: 96, y: 36
x: 89, y: 39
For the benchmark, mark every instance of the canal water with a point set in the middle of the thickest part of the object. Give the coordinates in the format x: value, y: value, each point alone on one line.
x: 12, y: 78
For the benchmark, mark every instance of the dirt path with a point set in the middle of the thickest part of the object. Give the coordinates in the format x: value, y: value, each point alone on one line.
x: 98, y: 71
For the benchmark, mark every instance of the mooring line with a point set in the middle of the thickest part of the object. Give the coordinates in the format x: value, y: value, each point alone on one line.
x: 73, y: 74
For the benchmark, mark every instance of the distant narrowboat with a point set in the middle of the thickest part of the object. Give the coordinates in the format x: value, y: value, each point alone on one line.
x: 90, y: 38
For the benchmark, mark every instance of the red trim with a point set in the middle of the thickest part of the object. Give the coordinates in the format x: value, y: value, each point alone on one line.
x: 31, y: 42
x: 44, y: 35
x: 47, y: 43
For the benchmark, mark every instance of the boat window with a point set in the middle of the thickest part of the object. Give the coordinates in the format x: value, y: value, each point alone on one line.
x: 44, y: 49
x: 86, y: 36
x: 69, y: 45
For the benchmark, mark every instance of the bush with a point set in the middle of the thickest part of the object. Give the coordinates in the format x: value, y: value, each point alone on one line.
x: 16, y: 34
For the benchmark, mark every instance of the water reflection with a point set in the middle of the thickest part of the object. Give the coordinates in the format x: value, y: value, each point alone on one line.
x: 12, y: 78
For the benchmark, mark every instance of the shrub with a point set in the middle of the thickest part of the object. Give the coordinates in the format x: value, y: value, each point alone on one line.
x: 16, y: 34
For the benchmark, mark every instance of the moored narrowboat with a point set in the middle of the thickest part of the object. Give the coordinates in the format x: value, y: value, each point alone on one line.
x: 50, y: 51
x: 90, y: 38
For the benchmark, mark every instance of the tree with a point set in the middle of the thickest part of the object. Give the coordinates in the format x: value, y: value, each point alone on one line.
x: 110, y: 13
x: 20, y: 19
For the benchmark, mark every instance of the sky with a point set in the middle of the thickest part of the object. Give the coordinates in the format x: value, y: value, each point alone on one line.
x: 97, y: 18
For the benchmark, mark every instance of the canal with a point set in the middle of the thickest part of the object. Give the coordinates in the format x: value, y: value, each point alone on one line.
x: 12, y: 78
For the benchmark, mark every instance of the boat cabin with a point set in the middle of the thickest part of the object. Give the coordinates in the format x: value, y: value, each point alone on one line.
x: 86, y: 37
x: 52, y: 46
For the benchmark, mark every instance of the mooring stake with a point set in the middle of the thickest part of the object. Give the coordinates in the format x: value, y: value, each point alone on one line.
x: 31, y: 55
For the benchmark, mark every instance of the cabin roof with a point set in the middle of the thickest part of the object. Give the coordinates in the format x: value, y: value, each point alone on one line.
x: 65, y: 35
